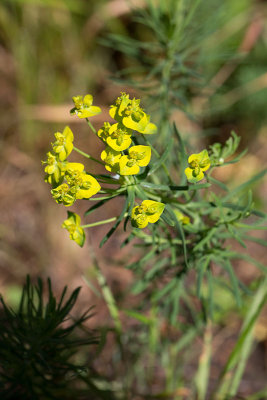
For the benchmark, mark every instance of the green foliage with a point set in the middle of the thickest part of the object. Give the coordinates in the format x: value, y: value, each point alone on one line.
x: 178, y: 54
x: 173, y: 247
x: 37, y: 345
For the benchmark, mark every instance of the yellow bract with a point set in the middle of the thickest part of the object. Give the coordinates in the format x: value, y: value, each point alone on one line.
x: 181, y: 217
x: 79, y: 185
x: 117, y: 110
x: 63, y: 144
x: 197, y: 164
x: 82, y: 185
x: 139, y: 156
x: 88, y: 188
x: 72, y: 224
x: 140, y: 122
x: 54, y: 169
x: 63, y: 194
x: 84, y: 107
x: 116, y: 136
x: 129, y: 113
x: 111, y: 158
x: 148, y: 211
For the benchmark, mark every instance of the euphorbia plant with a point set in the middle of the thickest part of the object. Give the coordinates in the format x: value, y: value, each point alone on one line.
x: 189, y: 222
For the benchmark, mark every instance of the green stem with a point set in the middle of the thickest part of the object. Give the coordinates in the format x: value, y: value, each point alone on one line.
x: 109, y: 298
x: 107, y: 294
x: 107, y: 179
x: 90, y: 125
x: 105, y: 221
x: 102, y: 198
x: 203, y: 372
x: 129, y: 180
x: 87, y: 155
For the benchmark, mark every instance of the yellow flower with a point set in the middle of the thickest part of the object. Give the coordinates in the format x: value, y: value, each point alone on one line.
x: 79, y: 185
x: 181, y: 217
x: 82, y: 185
x: 139, y: 156
x: 131, y: 115
x: 72, y: 166
x: 148, y: 211
x: 111, y: 158
x: 116, y: 136
x: 83, y: 107
x: 197, y: 164
x: 54, y: 169
x: 63, y: 194
x: 140, y: 122
x: 89, y: 187
x: 116, y: 111
x: 63, y: 144
x: 72, y: 224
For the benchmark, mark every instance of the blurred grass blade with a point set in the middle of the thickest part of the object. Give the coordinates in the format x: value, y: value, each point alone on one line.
x: 138, y: 316
x: 202, y: 375
x: 75, y: 6
x: 210, y: 305
x: 262, y: 394
x: 91, y: 286
x: 191, y: 13
x: 256, y: 307
x: 233, y: 371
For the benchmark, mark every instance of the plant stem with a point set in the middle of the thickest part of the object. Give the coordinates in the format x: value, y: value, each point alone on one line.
x: 107, y: 294
x: 102, y: 198
x: 230, y: 378
x: 90, y: 125
x: 105, y: 221
x: 109, y: 299
x: 203, y: 372
x: 87, y: 155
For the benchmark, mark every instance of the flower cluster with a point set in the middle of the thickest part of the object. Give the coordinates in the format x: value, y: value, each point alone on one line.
x: 72, y: 224
x: 69, y: 180
x: 198, y: 163
x: 84, y: 107
x: 122, y: 155
x: 148, y: 211
x: 129, y: 117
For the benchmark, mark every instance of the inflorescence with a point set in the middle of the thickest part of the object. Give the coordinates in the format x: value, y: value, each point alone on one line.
x: 122, y: 157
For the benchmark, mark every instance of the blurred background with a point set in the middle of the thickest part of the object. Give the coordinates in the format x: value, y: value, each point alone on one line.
x: 51, y: 50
